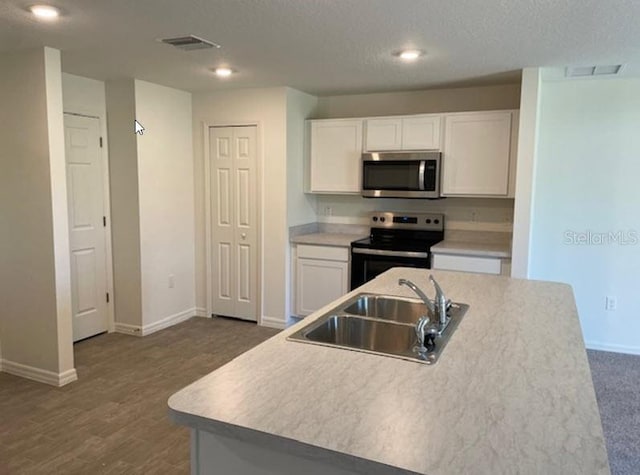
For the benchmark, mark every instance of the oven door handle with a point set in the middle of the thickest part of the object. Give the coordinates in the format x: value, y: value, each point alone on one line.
x: 382, y: 252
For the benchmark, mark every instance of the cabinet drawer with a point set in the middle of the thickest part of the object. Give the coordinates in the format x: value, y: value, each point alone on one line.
x: 328, y: 253
x: 483, y: 265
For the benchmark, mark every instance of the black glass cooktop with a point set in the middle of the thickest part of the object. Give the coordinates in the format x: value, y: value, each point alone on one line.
x: 399, y: 240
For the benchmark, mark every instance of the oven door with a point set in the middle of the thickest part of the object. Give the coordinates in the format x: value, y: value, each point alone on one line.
x: 366, y: 264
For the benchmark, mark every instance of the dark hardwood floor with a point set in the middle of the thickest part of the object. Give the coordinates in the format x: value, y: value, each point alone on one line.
x: 113, y: 420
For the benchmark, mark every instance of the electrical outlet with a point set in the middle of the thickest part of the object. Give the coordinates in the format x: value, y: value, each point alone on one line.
x: 172, y: 281
x: 474, y: 215
x: 611, y: 303
x: 328, y: 211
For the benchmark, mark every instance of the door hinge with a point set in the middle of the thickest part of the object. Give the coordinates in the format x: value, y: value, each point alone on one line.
x: 104, y: 221
x: 100, y: 142
x: 107, y: 297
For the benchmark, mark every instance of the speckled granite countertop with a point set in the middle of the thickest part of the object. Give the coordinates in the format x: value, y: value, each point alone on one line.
x: 327, y: 239
x: 511, y: 393
x: 469, y: 248
x: 475, y: 243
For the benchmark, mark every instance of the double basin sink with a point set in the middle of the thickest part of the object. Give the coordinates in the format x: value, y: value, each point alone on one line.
x: 379, y: 324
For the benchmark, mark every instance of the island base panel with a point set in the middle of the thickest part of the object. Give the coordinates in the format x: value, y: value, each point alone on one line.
x: 215, y: 454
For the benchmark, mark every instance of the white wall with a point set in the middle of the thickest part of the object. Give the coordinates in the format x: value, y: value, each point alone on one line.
x: 165, y: 189
x: 587, y: 180
x: 417, y: 102
x: 462, y: 213
x: 469, y: 214
x: 267, y: 108
x: 35, y: 287
x: 152, y: 205
x: 59, y: 209
x: 125, y: 207
x: 301, y: 207
x: 526, y: 171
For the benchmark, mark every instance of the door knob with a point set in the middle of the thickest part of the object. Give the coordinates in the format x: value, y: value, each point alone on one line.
x: 243, y: 235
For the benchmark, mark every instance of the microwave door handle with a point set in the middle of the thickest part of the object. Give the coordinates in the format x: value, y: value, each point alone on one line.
x: 421, y: 175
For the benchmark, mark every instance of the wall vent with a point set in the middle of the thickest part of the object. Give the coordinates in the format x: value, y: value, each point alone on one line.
x: 586, y: 71
x: 189, y: 43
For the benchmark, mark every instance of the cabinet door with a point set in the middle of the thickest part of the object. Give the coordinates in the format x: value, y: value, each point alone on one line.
x: 319, y: 283
x: 384, y: 134
x: 421, y: 133
x: 336, y: 148
x: 482, y: 265
x: 476, y: 154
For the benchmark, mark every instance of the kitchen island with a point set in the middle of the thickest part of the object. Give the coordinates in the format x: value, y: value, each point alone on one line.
x: 511, y: 393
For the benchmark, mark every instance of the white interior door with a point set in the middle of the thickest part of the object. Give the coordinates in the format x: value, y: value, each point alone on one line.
x: 234, y: 230
x: 86, y: 226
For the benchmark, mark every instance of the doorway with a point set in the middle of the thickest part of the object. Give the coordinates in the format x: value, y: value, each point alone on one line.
x: 233, y: 222
x: 87, y: 225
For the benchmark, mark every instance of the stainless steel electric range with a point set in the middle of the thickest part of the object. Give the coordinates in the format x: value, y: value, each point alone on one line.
x: 396, y: 240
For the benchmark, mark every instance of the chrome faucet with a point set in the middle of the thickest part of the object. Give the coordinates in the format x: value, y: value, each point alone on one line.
x: 423, y: 333
x: 420, y: 294
x: 438, y: 307
x: 441, y: 302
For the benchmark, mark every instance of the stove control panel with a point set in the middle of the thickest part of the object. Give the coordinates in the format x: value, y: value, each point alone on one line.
x: 400, y: 220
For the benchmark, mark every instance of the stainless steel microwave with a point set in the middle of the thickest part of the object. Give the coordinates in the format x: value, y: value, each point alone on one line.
x: 414, y: 174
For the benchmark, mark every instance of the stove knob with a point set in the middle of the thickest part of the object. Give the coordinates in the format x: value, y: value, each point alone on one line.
x: 382, y: 219
x: 375, y: 218
x: 428, y: 221
x: 436, y: 221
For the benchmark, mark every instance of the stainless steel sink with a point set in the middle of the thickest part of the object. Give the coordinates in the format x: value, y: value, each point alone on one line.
x: 378, y: 324
x: 388, y: 308
x: 364, y: 334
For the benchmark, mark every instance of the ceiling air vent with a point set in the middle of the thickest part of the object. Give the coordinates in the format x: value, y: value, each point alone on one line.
x: 586, y: 71
x: 189, y: 43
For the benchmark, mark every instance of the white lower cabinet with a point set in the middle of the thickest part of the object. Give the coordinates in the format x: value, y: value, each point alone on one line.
x: 322, y: 276
x: 482, y: 265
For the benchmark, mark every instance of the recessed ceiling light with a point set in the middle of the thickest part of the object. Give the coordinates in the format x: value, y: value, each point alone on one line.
x: 223, y: 72
x: 410, y: 54
x: 45, y: 12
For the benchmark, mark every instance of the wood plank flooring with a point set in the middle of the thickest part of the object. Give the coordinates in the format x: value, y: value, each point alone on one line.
x: 113, y: 420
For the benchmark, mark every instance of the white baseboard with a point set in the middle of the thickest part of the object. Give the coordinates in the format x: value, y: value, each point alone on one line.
x: 201, y: 312
x: 629, y: 350
x: 168, y: 321
x: 135, y: 330
x: 37, y: 374
x: 272, y: 322
x: 150, y: 328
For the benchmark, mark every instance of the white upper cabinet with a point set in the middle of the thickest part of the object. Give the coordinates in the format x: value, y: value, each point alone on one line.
x: 420, y: 132
x: 335, y: 154
x: 479, y: 154
x: 478, y: 150
x: 384, y: 134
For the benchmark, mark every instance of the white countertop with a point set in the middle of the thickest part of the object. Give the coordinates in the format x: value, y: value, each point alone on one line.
x: 327, y: 239
x: 470, y: 248
x: 511, y: 392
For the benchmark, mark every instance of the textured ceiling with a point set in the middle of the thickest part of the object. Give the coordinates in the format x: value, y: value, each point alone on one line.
x: 329, y: 46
